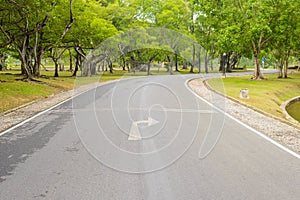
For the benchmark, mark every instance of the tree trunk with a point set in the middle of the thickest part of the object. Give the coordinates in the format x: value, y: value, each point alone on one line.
x: 192, y: 68
x: 38, y: 62
x: 222, y: 64
x: 87, y: 69
x: 2, y: 65
x: 170, y: 65
x: 257, y: 73
x: 61, y: 67
x: 193, y: 60
x: 76, y: 65
x: 193, y: 56
x: 256, y: 49
x: 2, y: 61
x: 124, y: 63
x: 23, y: 71
x: 110, y: 67
x: 26, y: 68
x: 280, y: 66
x: 99, y: 67
x: 171, y: 68
x: 228, y: 65
x: 206, y: 62
x: 212, y: 55
x: 93, y: 68
x: 103, y: 65
x: 199, y: 61
x: 36, y: 66
x: 56, y: 68
x: 176, y: 62
x: 148, y: 68
x: 71, y: 60
x: 56, y: 55
x: 184, y: 65
x: 22, y: 52
x: 286, y: 64
x: 127, y: 65
x: 211, y: 62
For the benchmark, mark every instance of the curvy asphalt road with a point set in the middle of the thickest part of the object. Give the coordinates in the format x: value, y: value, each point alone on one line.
x: 142, y: 138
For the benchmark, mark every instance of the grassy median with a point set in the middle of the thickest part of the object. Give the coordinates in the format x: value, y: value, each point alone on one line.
x: 266, y: 95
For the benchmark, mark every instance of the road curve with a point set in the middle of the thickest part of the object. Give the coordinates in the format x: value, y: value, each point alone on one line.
x: 142, y: 138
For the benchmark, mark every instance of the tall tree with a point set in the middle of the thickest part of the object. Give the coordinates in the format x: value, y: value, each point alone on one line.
x: 286, y: 34
x: 23, y: 26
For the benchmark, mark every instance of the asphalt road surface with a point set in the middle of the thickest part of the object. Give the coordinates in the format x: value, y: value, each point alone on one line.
x: 142, y: 138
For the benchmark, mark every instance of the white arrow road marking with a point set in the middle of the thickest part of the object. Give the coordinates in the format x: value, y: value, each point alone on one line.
x: 134, y: 133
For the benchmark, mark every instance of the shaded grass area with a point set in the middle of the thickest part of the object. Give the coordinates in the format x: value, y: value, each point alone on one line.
x: 266, y: 95
x: 15, y: 92
x: 294, y: 110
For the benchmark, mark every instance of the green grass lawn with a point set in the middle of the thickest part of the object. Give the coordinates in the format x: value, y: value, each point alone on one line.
x: 14, y: 92
x: 266, y: 95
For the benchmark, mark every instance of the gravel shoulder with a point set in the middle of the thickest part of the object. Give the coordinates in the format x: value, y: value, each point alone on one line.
x: 284, y: 133
x: 17, y: 115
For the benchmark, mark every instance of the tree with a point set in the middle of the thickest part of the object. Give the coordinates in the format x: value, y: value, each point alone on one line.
x: 3, y: 57
x: 90, y: 29
x: 286, y: 34
x: 23, y: 27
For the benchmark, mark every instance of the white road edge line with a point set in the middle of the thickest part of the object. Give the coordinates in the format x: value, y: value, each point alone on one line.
x: 40, y: 113
x: 34, y: 116
x: 56, y: 105
x: 243, y: 124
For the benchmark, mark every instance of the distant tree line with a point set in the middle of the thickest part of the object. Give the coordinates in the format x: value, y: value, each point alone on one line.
x: 226, y: 30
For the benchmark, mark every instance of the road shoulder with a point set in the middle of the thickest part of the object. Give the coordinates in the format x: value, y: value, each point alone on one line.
x: 285, y: 134
x: 17, y: 115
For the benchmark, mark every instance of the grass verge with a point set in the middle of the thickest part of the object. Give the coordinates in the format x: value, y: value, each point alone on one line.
x: 266, y: 95
x: 14, y: 92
